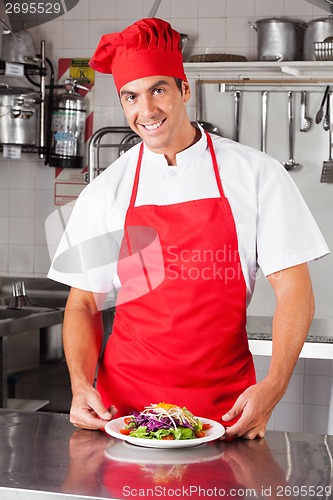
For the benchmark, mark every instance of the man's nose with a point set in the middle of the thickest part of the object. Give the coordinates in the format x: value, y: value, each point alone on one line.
x: 147, y: 106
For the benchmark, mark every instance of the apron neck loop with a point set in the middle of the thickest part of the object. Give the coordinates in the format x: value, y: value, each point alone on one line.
x: 215, y: 165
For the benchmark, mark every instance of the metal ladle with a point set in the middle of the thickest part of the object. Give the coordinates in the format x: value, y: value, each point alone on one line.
x: 290, y: 164
x: 237, y: 115
x: 327, y: 120
x: 263, y: 129
x: 306, y: 121
x: 209, y: 127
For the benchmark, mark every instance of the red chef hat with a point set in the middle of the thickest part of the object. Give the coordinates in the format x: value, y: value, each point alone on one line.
x: 148, y: 47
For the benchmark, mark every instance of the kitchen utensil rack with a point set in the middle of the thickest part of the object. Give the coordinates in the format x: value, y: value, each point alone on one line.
x: 231, y: 76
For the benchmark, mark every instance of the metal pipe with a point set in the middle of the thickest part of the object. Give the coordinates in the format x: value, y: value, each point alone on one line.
x: 42, y: 105
x: 48, y: 135
x: 155, y: 8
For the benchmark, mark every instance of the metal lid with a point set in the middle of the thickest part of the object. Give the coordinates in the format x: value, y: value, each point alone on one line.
x: 277, y: 20
x: 322, y: 20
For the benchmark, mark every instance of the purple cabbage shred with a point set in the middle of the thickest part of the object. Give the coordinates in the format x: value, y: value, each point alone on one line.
x: 153, y: 424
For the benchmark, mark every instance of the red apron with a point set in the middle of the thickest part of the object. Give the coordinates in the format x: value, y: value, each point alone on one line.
x: 183, y: 341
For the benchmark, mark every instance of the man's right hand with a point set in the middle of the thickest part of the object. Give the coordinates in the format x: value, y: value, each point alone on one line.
x: 88, y: 412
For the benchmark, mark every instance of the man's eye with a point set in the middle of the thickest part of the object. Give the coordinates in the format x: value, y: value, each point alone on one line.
x: 158, y: 91
x: 129, y: 98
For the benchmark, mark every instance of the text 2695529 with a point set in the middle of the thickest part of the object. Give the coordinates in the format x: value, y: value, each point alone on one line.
x: 33, y: 7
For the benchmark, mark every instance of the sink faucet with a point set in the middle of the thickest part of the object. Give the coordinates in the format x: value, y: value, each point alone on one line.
x: 19, y: 298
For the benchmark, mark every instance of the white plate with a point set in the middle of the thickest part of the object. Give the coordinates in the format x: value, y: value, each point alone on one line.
x: 216, y: 431
x: 121, y: 451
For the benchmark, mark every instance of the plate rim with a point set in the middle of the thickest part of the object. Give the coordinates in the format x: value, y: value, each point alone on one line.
x: 156, y: 443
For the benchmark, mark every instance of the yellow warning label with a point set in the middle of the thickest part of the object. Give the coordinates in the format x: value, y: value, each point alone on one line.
x: 81, y: 71
x: 80, y: 62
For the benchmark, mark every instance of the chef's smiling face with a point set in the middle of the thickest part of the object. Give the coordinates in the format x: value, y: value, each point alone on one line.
x: 155, y: 109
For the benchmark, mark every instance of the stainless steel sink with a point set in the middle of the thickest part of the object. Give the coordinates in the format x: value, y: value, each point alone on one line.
x: 13, y: 313
x: 19, y: 320
x: 23, y: 351
x: 23, y: 347
x: 23, y: 329
x: 45, y: 295
x: 40, y: 301
x: 51, y: 346
x: 51, y: 301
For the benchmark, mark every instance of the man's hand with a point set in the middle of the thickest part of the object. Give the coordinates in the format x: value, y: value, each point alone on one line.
x: 88, y: 411
x: 256, y: 405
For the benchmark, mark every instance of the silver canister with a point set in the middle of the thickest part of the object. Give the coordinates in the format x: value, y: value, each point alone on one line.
x: 278, y: 39
x: 317, y: 31
x: 19, y: 111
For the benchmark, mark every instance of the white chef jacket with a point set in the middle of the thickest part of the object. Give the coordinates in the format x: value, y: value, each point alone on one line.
x: 275, y: 228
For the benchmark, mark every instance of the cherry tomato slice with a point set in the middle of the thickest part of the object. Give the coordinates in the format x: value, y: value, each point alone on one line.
x: 205, y: 427
x: 200, y: 434
x: 125, y: 432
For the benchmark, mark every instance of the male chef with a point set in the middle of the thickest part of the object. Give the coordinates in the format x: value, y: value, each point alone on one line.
x: 212, y: 211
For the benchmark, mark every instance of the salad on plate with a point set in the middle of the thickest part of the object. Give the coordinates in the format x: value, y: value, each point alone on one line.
x: 164, y: 421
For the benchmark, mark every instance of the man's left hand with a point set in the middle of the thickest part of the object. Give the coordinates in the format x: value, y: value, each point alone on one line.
x: 256, y: 405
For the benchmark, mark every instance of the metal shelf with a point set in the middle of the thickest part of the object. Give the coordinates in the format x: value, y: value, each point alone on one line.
x: 29, y: 69
x: 25, y: 149
x: 259, y: 72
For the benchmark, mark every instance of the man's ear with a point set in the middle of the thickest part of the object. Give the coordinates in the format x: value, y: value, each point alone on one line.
x: 186, y: 91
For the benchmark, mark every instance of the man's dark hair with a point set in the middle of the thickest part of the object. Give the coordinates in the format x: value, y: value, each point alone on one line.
x: 179, y: 83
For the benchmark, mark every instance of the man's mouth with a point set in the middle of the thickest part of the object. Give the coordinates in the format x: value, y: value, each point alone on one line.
x: 152, y: 126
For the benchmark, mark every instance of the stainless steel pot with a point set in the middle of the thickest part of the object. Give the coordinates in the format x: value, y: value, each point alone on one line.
x: 19, y: 111
x: 16, y: 47
x: 277, y: 39
x: 316, y: 31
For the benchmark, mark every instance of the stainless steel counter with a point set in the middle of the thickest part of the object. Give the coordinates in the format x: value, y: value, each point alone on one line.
x: 321, y: 331
x: 43, y: 452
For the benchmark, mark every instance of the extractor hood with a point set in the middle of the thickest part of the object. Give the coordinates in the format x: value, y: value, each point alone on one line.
x: 323, y: 4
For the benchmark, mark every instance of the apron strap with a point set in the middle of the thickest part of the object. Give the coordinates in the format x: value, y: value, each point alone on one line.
x: 215, y: 166
x: 136, y: 178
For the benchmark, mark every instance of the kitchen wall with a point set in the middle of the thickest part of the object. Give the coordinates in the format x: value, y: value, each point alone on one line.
x: 222, y: 26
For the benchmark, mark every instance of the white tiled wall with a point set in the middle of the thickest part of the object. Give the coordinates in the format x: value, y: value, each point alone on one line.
x: 27, y: 186
x: 304, y: 405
